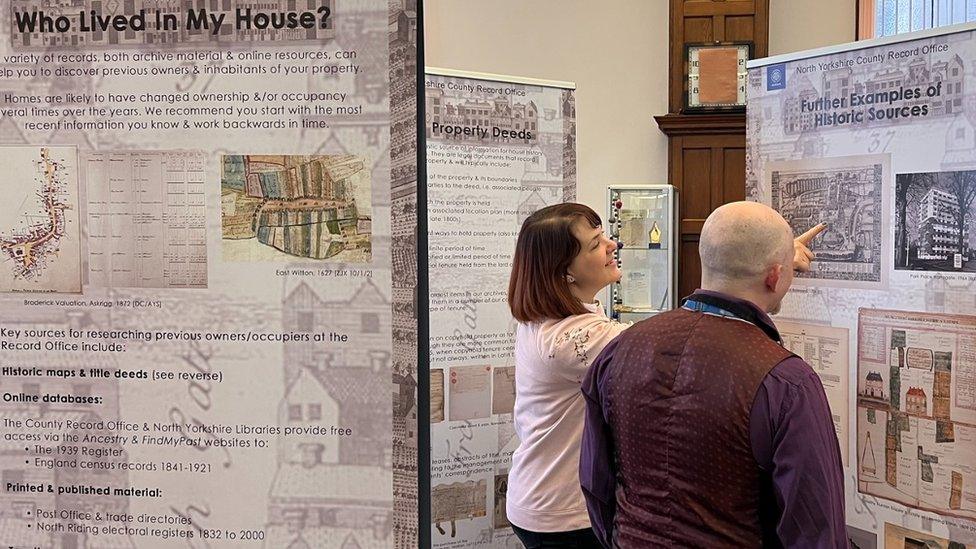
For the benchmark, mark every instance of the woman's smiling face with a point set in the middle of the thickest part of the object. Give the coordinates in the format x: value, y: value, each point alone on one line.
x: 594, y: 267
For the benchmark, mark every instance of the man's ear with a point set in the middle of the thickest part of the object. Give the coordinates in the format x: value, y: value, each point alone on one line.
x: 773, y: 275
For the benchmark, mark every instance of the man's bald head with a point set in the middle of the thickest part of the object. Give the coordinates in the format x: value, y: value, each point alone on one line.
x: 741, y: 240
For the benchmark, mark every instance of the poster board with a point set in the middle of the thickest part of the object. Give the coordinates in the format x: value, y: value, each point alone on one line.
x: 878, y: 140
x: 498, y: 149
x: 208, y: 274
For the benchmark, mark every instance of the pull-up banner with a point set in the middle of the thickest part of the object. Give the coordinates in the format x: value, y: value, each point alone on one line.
x: 498, y: 149
x: 877, y: 139
x: 207, y: 267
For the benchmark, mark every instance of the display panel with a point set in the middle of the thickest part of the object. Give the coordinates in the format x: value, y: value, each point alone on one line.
x: 498, y: 149
x: 878, y: 140
x: 208, y: 277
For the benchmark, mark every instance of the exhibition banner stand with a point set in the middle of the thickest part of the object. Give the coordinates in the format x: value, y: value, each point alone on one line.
x: 208, y: 331
x: 878, y: 140
x: 498, y: 149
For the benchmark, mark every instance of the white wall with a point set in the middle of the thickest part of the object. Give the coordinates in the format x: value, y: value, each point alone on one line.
x: 616, y: 51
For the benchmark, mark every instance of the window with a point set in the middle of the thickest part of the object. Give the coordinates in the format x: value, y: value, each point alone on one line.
x: 311, y: 454
x: 305, y: 321
x: 314, y: 412
x: 370, y: 323
x: 295, y: 412
x: 877, y: 18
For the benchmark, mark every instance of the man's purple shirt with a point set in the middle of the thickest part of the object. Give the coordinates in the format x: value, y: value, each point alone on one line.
x: 792, y: 438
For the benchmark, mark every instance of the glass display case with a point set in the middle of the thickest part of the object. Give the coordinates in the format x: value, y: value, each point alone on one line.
x: 640, y: 218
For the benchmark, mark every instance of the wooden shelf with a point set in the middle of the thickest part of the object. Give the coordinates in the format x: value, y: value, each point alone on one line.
x: 675, y: 125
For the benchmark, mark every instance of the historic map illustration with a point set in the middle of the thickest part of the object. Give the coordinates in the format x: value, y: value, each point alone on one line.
x: 916, y: 417
x: 934, y: 221
x: 289, y: 207
x: 147, y: 219
x: 40, y: 237
x: 845, y: 193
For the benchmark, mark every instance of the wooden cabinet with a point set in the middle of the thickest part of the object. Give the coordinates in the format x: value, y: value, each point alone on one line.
x: 706, y: 153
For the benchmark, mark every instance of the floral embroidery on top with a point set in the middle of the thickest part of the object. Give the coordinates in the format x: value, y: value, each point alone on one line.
x: 579, y: 337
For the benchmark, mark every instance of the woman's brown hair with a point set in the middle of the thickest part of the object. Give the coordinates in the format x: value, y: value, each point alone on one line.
x: 546, y: 246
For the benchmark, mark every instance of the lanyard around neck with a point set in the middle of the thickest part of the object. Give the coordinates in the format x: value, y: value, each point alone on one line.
x: 722, y: 307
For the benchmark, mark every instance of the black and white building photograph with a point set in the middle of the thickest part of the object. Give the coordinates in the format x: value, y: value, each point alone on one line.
x: 933, y: 221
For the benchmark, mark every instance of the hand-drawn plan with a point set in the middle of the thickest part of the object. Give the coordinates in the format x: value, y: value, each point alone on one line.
x: 934, y: 221
x: 916, y: 418
x: 40, y: 237
x: 846, y: 194
x: 290, y: 207
x: 147, y: 219
x: 825, y: 349
x: 899, y: 537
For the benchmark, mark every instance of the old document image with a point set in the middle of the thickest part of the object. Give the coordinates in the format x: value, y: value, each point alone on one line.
x: 503, y: 390
x: 40, y: 237
x: 457, y: 501
x: 436, y: 396
x: 469, y: 392
x: 934, y: 216
x: 146, y: 219
x: 826, y: 349
x: 916, y: 418
x: 501, y: 494
x: 846, y: 194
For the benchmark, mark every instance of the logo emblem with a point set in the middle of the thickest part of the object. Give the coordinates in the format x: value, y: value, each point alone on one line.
x: 776, y: 77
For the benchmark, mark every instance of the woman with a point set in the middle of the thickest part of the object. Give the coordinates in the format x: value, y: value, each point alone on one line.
x: 562, y: 261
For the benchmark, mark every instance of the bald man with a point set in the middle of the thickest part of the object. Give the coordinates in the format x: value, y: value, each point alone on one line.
x: 701, y: 429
